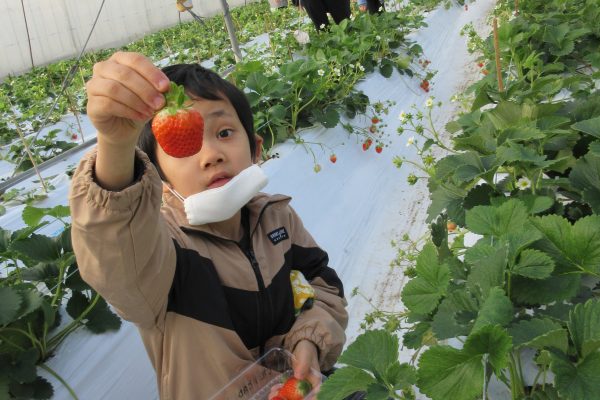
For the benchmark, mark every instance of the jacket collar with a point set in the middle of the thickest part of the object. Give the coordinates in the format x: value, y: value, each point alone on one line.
x: 256, y: 206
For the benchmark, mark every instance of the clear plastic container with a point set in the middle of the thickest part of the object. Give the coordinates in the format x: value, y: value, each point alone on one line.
x: 256, y: 381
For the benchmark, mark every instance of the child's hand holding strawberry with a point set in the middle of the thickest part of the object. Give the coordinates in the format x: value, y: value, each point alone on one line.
x: 123, y: 94
x: 306, y: 358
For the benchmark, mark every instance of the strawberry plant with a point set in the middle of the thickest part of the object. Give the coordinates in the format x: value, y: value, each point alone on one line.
x: 39, y: 279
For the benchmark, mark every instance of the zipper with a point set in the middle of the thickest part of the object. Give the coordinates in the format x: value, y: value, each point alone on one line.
x: 262, y: 304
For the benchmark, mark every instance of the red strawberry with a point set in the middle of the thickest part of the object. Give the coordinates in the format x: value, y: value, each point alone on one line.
x: 178, y: 129
x: 379, y: 148
x: 365, y: 146
x: 375, y: 120
x: 74, y: 136
x: 294, y: 389
x: 278, y: 398
x: 333, y: 158
x: 480, y: 64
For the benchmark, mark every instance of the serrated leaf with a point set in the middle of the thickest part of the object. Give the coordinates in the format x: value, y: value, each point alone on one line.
x: 446, y: 373
x: 539, y: 333
x: 37, y: 247
x: 497, y: 309
x: 377, y: 391
x: 577, y: 381
x: 534, y: 264
x: 589, y: 126
x: 32, y: 215
x: 496, y: 221
x: 400, y: 376
x: 544, y: 291
x: 536, y: 204
x: 24, y: 366
x: 344, y: 382
x: 514, y: 152
x: 40, y: 272
x: 585, y: 176
x: 101, y: 319
x: 373, y: 351
x: 584, y: 327
x: 493, y: 341
x: 444, y: 324
x: 488, y: 267
x: 422, y: 293
x: 450, y: 198
x: 31, y: 301
x: 415, y: 336
x: 576, y: 247
x: 595, y: 148
x: 10, y: 302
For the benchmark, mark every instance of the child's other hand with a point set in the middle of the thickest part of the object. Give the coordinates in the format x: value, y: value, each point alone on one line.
x: 124, y: 92
x: 305, y: 358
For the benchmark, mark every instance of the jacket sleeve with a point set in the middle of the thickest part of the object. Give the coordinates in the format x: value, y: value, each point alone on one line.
x: 121, y: 241
x: 325, y: 322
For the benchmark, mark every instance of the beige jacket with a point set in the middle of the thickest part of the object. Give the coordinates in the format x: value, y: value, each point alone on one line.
x: 206, y: 305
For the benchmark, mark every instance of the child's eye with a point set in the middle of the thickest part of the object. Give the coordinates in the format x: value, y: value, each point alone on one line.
x: 225, y: 133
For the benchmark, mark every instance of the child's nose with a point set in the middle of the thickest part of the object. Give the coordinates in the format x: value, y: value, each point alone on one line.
x: 210, y: 154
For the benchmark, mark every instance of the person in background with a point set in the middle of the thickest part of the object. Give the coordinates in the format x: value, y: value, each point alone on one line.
x: 373, y: 6
x: 317, y: 11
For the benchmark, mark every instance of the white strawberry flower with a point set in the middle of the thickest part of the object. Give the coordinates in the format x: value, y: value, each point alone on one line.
x: 337, y: 71
x: 378, y: 37
x: 380, y: 9
x: 429, y: 102
x: 322, y: 26
x: 402, y: 117
x: 321, y: 72
x: 410, y: 141
x: 523, y: 183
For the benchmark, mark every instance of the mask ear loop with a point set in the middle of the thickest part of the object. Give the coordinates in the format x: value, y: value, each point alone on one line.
x: 180, y: 197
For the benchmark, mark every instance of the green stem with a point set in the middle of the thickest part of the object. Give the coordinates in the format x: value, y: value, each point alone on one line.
x: 58, y: 293
x: 60, y: 379
x: 54, y: 341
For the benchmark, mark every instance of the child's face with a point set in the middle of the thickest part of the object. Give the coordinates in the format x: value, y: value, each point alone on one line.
x: 225, y: 151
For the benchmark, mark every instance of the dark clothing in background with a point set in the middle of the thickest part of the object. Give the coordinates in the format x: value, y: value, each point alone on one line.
x: 317, y: 10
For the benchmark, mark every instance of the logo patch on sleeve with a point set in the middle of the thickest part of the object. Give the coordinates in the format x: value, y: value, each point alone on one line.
x: 278, y: 235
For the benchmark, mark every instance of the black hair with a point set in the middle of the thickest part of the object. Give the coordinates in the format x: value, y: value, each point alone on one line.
x: 200, y: 82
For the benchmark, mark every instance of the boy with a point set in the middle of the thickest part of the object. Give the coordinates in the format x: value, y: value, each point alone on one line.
x: 207, y: 299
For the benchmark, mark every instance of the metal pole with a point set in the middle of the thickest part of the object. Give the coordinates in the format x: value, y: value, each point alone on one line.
x: 231, y: 30
x: 28, y: 37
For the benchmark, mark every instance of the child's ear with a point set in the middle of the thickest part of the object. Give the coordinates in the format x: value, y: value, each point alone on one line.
x: 259, y: 143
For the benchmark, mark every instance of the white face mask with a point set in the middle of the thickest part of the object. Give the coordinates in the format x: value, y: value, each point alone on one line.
x: 220, y: 204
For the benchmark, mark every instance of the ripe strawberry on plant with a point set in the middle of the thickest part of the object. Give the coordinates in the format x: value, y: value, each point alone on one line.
x: 375, y: 120
x: 379, y: 148
x: 178, y: 128
x: 367, y: 144
x: 294, y: 389
x: 333, y: 158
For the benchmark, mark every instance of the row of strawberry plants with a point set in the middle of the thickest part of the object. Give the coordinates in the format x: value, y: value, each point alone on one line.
x: 26, y: 98
x: 504, y: 290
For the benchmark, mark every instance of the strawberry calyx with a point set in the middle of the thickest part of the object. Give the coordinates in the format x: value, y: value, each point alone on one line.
x: 175, y: 99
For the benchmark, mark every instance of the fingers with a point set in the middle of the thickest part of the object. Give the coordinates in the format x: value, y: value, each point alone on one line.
x: 144, y: 67
x: 108, y: 98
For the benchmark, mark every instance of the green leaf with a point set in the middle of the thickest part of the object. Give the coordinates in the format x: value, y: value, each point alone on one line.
x: 496, y: 221
x: 445, y: 324
x: 539, y: 333
x: 543, y: 291
x: 577, y: 381
x: 32, y: 215
x: 377, y: 391
x: 585, y: 176
x: 101, y: 319
x: 400, y: 376
x: 575, y: 247
x: 40, y: 272
x: 31, y: 301
x: 595, y: 148
x: 514, y: 152
x: 422, y: 294
x: 584, y: 326
x: 277, y: 112
x: 386, y: 68
x: 488, y: 266
x: 446, y: 373
x: 493, y: 341
x: 589, y: 126
x: 37, y: 247
x: 534, y: 264
x: 373, y: 351
x: 536, y: 204
x: 344, y: 382
x: 40, y: 389
x: 24, y: 367
x: 497, y: 309
x: 10, y: 303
